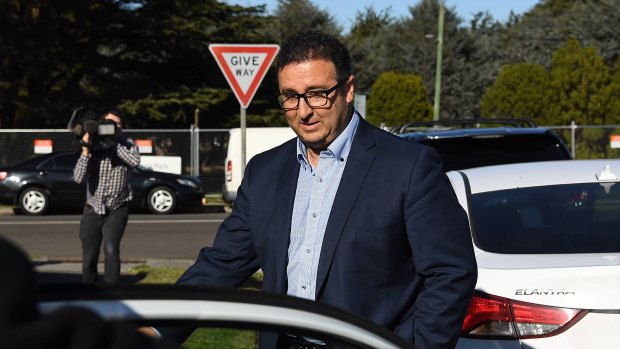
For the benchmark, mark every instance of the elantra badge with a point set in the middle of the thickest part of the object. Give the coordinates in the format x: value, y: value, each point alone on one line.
x: 543, y: 292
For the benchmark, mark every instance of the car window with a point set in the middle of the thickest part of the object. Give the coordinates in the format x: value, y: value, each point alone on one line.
x: 461, y: 153
x: 576, y: 218
x: 65, y: 161
x: 48, y: 164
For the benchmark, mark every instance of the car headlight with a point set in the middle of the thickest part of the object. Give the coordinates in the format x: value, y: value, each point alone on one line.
x: 187, y: 182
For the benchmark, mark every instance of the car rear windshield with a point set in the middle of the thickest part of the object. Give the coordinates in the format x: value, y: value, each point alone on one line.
x: 576, y: 218
x: 462, y: 153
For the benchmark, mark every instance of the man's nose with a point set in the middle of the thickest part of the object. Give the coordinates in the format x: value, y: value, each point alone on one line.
x: 303, y: 109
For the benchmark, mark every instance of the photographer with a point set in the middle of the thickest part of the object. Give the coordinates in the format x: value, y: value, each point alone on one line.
x: 105, y: 164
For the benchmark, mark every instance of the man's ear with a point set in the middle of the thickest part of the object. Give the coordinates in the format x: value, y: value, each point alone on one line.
x: 350, y: 88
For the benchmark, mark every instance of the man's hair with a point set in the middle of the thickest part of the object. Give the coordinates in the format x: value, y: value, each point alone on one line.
x: 311, y: 44
x: 111, y: 110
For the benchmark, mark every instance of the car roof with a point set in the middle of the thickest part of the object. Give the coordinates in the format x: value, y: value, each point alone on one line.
x: 34, y: 161
x: 532, y: 174
x: 473, y: 133
x: 444, y: 124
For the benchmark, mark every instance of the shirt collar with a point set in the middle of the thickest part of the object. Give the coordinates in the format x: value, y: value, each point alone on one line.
x: 340, y: 147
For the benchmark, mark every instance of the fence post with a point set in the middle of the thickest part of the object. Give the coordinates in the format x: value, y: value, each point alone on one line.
x: 573, y: 128
x: 192, y: 152
x: 196, y: 151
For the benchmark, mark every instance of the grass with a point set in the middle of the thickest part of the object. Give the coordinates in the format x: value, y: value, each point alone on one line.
x: 204, y: 338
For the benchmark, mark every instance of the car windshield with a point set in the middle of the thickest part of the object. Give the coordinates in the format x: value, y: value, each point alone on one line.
x: 558, y: 219
x: 461, y: 153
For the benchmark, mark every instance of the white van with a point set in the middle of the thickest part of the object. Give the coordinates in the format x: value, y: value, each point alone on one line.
x: 257, y: 140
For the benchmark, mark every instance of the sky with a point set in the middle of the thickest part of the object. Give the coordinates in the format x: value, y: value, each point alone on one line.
x: 344, y: 10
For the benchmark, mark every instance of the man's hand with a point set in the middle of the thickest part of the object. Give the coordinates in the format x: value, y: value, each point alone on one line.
x: 84, y: 142
x: 149, y: 331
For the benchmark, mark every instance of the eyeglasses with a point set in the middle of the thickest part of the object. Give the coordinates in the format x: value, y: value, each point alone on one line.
x: 314, y: 99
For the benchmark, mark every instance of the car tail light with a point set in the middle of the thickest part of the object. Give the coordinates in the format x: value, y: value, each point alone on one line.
x: 3, y: 175
x: 498, y: 317
x: 229, y: 171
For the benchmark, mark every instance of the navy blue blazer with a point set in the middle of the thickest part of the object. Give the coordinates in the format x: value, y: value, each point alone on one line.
x: 397, y: 247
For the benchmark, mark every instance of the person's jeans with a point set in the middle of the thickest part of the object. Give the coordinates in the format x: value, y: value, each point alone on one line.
x: 93, y: 229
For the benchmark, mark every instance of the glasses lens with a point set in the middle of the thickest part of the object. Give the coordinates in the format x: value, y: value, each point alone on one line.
x: 316, y: 99
x: 288, y: 101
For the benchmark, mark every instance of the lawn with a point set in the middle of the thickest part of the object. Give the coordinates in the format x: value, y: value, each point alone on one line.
x: 204, y: 338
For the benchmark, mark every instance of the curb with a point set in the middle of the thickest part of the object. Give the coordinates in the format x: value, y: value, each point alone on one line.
x: 74, y: 265
x: 6, y: 210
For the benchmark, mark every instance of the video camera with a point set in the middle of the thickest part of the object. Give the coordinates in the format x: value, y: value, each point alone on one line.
x: 103, y: 133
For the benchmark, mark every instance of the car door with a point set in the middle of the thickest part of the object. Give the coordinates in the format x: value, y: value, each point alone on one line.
x: 64, y: 190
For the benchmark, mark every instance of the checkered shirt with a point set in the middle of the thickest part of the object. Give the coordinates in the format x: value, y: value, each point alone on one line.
x: 107, y: 175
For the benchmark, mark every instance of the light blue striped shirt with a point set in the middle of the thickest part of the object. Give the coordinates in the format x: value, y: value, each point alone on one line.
x: 316, y: 190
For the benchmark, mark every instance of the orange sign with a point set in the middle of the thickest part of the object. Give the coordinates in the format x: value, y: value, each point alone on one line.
x: 614, y: 141
x: 43, y: 146
x: 145, y: 146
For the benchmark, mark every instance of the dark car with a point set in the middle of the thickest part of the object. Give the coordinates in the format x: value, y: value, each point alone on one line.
x: 45, y: 182
x: 483, y: 142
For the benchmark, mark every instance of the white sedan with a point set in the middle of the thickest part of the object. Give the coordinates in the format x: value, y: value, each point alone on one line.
x: 221, y: 308
x: 547, y: 242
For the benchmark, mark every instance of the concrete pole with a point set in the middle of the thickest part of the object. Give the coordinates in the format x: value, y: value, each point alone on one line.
x: 439, y: 61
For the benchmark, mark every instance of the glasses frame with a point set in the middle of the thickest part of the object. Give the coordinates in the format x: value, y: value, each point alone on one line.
x: 305, y: 97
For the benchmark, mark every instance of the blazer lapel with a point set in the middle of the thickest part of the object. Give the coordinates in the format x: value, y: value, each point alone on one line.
x: 283, y: 210
x: 357, y: 167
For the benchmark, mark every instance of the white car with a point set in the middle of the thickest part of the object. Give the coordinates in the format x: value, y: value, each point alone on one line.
x: 211, y: 307
x: 547, y: 242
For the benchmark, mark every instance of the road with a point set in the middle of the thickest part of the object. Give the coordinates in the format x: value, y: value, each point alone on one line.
x: 178, y: 236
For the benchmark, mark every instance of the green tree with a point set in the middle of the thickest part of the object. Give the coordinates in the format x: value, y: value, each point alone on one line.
x: 408, y: 45
x: 580, y: 80
x: 292, y: 16
x: 396, y: 99
x: 520, y: 91
x: 58, y: 55
x: 613, y: 110
x: 363, y: 40
x: 612, y: 91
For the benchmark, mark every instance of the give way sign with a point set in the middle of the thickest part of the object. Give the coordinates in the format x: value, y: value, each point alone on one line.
x: 244, y: 66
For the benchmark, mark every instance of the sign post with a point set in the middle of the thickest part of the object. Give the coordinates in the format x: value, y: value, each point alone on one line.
x: 244, y: 67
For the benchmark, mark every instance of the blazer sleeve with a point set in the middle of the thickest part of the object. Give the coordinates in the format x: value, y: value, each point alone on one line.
x: 232, y: 258
x: 440, y: 240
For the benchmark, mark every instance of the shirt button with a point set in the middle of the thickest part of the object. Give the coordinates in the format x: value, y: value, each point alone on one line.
x: 303, y: 287
x: 314, y: 215
x: 308, y: 250
x: 320, y: 180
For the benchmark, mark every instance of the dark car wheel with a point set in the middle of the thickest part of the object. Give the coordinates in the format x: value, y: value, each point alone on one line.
x: 34, y: 201
x: 161, y: 200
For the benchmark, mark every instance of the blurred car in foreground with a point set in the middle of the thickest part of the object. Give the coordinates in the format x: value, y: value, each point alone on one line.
x: 547, y: 242
x: 208, y: 308
x: 483, y: 142
x: 46, y: 182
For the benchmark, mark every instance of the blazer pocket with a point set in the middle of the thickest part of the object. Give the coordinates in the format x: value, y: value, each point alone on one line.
x: 378, y: 232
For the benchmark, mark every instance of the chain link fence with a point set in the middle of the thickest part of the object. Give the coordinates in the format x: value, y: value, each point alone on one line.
x: 590, y: 141
x: 202, y: 152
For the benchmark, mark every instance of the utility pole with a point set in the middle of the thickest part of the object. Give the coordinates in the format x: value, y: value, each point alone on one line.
x: 438, y: 66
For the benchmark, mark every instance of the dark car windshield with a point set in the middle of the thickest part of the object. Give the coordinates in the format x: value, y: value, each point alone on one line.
x: 576, y: 218
x: 467, y: 152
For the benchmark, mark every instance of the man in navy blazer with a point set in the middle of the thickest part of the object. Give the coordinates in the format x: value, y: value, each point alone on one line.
x: 346, y: 214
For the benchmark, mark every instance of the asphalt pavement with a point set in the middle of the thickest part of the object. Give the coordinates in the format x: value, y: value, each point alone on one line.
x: 68, y: 270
